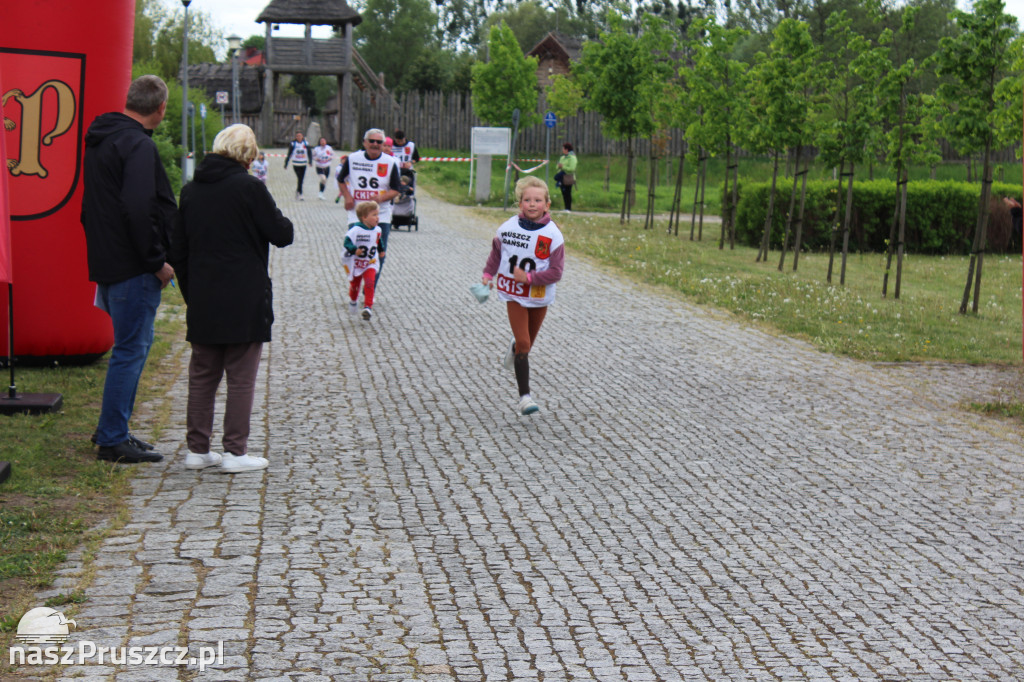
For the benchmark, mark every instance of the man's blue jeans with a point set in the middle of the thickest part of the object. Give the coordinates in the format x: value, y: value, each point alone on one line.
x: 132, y: 307
x: 385, y: 232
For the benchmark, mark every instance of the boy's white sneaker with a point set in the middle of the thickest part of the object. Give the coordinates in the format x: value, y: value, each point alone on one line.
x: 509, y: 361
x: 367, y: 313
x: 234, y: 464
x: 196, y: 460
x: 353, y: 307
x: 527, y: 406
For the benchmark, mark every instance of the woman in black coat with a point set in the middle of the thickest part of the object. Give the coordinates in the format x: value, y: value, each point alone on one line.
x: 220, y: 248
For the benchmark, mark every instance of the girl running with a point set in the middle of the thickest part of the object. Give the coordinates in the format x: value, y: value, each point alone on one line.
x: 322, y: 155
x: 527, y: 258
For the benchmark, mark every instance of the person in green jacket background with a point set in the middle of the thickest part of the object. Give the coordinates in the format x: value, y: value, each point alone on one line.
x: 565, y: 178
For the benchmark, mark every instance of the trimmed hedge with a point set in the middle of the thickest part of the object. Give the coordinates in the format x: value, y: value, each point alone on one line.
x: 941, y: 215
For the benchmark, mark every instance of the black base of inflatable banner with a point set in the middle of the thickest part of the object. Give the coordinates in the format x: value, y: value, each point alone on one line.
x: 5, y: 471
x: 50, y: 360
x: 31, y: 403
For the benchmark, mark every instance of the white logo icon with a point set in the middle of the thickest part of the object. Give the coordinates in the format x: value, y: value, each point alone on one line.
x: 44, y: 626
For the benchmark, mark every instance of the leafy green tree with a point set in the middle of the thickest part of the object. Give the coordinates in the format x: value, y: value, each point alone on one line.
x: 531, y: 20
x: 849, y: 117
x: 439, y: 70
x: 167, y: 135
x: 621, y: 76
x: 718, y: 86
x: 665, y: 95
x: 909, y: 119
x: 158, y: 33
x: 780, y: 99
x: 975, y: 61
x: 395, y: 35
x: 255, y: 40
x: 564, y: 97
x: 458, y: 22
x: 313, y: 90
x: 505, y: 83
x: 1007, y: 117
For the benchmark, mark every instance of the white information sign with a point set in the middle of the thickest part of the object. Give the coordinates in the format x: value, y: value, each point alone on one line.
x: 222, y: 97
x: 491, y: 141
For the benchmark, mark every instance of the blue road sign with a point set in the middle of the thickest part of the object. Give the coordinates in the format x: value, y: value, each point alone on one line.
x: 550, y: 119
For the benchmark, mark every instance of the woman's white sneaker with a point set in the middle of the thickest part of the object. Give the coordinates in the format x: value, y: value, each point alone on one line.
x: 235, y: 464
x: 196, y: 460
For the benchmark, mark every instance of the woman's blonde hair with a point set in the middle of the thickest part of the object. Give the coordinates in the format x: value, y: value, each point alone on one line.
x: 237, y: 142
x: 530, y: 181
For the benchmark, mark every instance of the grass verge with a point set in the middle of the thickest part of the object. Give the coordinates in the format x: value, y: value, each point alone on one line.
x: 852, y: 320
x: 59, y: 496
x: 1012, y: 411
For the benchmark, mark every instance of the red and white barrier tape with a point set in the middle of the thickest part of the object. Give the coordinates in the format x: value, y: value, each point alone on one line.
x: 433, y: 158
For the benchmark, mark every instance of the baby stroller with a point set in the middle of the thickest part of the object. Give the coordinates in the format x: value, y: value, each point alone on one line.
x: 404, y: 210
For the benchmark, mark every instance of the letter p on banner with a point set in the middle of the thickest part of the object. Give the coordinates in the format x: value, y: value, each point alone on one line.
x: 57, y: 77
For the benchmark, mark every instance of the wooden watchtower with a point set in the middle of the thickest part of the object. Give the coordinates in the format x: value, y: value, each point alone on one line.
x: 321, y: 57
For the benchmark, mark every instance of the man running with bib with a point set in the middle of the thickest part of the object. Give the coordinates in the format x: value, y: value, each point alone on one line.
x: 371, y: 175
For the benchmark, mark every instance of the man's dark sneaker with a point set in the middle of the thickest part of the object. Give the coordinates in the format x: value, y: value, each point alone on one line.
x: 137, y: 442
x: 140, y: 444
x: 126, y: 453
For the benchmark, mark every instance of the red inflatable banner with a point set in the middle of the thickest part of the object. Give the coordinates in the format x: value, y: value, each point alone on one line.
x: 61, y: 65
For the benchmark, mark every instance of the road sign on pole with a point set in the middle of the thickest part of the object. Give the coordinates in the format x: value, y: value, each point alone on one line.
x: 550, y: 120
x: 222, y: 97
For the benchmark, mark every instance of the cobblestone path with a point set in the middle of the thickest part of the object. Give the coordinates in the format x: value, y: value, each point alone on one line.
x: 697, y: 500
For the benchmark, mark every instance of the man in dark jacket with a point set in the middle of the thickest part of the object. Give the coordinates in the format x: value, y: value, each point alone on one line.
x: 128, y: 208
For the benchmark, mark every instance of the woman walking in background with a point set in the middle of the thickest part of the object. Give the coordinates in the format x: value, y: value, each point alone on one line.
x: 220, y: 249
x: 565, y: 178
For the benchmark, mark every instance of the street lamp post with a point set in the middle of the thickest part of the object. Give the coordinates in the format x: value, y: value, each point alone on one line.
x: 234, y: 44
x: 184, y: 94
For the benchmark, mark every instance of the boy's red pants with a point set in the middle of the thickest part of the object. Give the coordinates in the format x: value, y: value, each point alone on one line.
x: 368, y: 279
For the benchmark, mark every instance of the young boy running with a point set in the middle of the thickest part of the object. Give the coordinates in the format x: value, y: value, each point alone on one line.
x: 362, y: 248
